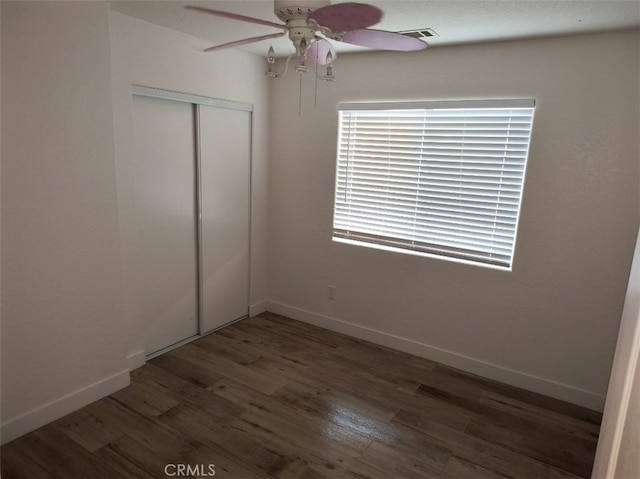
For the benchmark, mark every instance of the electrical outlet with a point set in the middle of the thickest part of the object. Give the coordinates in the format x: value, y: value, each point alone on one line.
x: 331, y: 292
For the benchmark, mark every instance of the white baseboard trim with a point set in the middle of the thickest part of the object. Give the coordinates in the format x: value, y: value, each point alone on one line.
x: 136, y: 360
x: 257, y: 308
x: 42, y: 415
x: 496, y: 372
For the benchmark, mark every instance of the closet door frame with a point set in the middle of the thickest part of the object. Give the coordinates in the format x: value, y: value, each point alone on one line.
x: 197, y: 101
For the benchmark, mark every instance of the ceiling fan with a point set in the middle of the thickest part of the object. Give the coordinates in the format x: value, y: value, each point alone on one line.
x: 310, y: 25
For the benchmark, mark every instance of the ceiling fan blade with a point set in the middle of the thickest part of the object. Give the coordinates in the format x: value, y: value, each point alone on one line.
x: 383, y: 40
x: 244, y: 42
x: 235, y: 16
x: 318, y: 50
x: 347, y: 16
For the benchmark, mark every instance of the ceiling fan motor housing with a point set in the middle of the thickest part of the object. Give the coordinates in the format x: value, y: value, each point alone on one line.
x: 299, y: 30
x: 290, y: 9
x: 296, y: 13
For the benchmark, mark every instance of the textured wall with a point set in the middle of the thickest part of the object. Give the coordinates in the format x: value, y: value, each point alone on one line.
x: 61, y: 282
x: 150, y: 55
x: 551, y: 323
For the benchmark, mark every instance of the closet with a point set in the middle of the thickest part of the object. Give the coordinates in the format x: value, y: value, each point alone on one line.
x: 192, y: 190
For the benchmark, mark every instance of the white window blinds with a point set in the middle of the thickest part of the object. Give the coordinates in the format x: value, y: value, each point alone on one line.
x: 442, y: 178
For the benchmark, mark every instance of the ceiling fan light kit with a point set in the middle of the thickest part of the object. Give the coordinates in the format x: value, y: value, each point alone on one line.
x: 311, y: 26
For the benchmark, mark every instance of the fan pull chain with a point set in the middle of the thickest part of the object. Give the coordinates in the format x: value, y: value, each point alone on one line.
x: 300, y: 97
x: 315, y: 93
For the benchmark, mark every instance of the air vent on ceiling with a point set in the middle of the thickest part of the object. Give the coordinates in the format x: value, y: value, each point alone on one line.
x: 421, y: 33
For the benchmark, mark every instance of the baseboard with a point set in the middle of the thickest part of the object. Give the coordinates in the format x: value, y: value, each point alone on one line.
x: 496, y: 372
x: 257, y: 308
x: 32, y: 420
x: 136, y: 360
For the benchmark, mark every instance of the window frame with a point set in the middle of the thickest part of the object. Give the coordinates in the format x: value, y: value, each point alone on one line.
x: 516, y: 154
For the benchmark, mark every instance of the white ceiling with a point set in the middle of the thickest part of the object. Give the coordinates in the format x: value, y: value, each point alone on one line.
x: 454, y: 21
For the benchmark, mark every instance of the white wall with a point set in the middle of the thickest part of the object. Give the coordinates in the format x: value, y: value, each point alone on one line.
x: 62, y: 336
x: 551, y: 324
x: 68, y: 302
x: 150, y: 55
x: 0, y: 195
x: 618, y: 454
x: 0, y: 210
x: 70, y: 329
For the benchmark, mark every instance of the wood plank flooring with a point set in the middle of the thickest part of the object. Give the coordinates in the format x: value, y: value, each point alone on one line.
x: 272, y: 397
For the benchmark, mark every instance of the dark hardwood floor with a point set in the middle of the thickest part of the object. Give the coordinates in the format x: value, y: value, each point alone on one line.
x: 273, y: 397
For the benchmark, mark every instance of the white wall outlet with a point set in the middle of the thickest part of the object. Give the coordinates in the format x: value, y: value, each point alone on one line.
x: 331, y: 292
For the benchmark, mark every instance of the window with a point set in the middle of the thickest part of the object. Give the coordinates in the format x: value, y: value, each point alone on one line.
x: 438, y: 178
